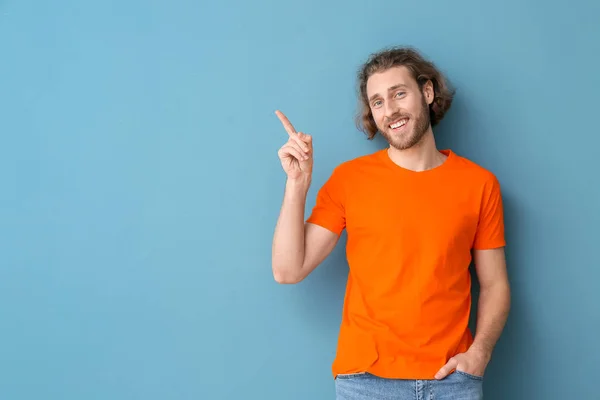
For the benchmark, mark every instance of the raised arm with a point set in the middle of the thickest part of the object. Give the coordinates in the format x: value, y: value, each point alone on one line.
x: 298, y: 247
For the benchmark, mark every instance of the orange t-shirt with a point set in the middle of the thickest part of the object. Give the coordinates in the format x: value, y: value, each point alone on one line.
x: 409, y: 241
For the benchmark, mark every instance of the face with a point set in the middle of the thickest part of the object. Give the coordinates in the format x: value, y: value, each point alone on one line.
x: 400, y: 109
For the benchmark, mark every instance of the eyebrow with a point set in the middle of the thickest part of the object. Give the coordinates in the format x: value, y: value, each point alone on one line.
x: 390, y: 89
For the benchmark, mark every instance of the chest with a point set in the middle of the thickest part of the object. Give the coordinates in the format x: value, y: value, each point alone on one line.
x: 438, y: 214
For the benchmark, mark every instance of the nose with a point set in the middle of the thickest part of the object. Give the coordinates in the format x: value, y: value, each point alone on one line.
x: 390, y: 109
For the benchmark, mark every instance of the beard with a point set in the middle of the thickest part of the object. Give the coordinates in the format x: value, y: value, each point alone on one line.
x: 408, y: 139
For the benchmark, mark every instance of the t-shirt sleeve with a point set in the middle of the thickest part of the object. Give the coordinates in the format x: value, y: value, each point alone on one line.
x: 490, y: 229
x: 329, y: 211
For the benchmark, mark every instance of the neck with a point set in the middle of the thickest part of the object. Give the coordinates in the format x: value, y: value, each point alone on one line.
x: 421, y: 157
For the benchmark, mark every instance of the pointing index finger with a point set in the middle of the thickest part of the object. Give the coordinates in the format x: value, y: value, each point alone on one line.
x: 286, y: 123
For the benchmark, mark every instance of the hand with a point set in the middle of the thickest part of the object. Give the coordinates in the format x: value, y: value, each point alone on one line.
x: 471, y: 362
x: 296, y: 154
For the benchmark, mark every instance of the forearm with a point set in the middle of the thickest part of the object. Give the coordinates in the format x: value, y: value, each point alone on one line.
x: 492, y: 313
x: 288, y: 239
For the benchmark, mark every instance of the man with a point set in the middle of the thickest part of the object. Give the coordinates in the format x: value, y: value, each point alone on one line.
x: 415, y: 218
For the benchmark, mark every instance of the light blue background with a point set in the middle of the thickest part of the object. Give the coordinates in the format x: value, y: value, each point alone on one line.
x: 141, y: 185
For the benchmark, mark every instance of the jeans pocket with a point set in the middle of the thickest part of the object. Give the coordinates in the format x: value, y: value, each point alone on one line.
x: 471, y: 376
x: 351, y: 375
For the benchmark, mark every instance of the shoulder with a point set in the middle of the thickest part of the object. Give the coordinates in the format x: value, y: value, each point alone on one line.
x: 473, y: 172
x: 357, y: 163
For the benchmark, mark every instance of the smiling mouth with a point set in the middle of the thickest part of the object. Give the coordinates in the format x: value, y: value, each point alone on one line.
x: 398, y: 124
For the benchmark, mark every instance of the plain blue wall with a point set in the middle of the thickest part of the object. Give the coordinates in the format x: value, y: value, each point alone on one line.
x: 141, y: 185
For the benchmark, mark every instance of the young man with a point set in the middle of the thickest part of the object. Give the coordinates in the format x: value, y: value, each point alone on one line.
x: 415, y: 218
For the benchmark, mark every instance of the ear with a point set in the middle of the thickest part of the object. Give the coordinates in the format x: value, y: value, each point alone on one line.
x: 428, y: 92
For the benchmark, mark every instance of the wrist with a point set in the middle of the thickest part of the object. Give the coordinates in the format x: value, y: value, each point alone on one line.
x: 483, y: 352
x: 301, y: 183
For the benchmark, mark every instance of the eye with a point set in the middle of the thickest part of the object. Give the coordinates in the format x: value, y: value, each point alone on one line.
x: 376, y: 103
x: 400, y: 94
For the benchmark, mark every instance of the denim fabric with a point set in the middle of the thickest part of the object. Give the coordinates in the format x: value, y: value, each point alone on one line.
x: 364, y: 386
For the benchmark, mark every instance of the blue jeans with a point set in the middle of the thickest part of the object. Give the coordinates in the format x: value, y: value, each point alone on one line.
x: 365, y: 386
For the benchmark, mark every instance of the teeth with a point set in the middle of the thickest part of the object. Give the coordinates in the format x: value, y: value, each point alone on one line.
x: 398, y: 124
